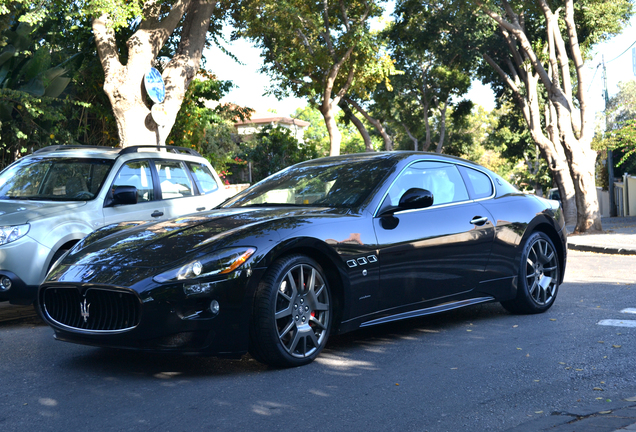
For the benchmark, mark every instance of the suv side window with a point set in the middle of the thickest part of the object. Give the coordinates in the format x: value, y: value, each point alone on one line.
x: 203, y: 177
x: 137, y: 174
x: 173, y: 179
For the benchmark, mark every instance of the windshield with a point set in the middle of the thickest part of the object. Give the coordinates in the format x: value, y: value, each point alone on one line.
x: 320, y: 183
x: 54, y: 179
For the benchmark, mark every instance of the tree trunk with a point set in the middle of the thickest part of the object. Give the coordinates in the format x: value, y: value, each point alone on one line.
x: 124, y: 83
x: 388, y: 142
x: 335, y: 137
x: 358, y: 124
x: 562, y: 127
x: 411, y: 136
x: 427, y: 140
x: 442, y: 128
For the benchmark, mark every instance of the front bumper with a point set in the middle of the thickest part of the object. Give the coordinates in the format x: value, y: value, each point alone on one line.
x: 19, y: 293
x: 24, y: 263
x: 169, y: 320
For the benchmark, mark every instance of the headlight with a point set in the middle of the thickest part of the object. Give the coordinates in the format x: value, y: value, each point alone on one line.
x: 10, y: 234
x: 219, y: 262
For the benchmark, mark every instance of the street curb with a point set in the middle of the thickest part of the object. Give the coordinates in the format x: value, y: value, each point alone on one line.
x: 602, y: 249
x: 10, y: 312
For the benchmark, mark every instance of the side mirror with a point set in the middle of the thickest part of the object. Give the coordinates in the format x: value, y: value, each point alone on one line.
x: 125, y: 195
x: 416, y: 198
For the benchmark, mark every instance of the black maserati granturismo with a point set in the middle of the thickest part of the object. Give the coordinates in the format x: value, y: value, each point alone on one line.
x: 325, y: 246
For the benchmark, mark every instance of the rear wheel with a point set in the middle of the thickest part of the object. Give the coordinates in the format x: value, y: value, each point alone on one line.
x: 292, y: 313
x: 538, y: 280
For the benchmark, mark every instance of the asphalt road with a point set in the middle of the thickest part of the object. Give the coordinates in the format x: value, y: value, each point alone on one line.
x: 476, y: 369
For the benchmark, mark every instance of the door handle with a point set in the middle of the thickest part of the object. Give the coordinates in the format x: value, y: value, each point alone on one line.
x: 200, y: 208
x: 156, y: 213
x: 479, y: 220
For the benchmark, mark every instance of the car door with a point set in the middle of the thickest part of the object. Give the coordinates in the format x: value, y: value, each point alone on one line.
x: 135, y: 173
x: 435, y: 252
x: 177, y: 189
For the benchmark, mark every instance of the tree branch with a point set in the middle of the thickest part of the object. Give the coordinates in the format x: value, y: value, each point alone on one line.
x: 106, y: 44
x: 578, y: 62
x: 345, y: 17
x: 326, y: 34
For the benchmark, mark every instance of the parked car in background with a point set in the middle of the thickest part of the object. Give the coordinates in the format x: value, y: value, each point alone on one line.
x: 328, y: 245
x: 554, y: 194
x: 51, y: 199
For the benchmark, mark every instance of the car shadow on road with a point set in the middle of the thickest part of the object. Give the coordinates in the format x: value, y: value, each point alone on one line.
x: 343, y: 352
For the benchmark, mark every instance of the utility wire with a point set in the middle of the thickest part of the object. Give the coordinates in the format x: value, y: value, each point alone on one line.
x: 622, y: 53
x: 593, y: 76
x: 599, y: 65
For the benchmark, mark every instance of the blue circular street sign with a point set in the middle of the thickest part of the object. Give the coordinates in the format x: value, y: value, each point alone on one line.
x: 155, y: 86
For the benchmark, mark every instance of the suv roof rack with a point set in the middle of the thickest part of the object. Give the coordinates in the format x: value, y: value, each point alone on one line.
x: 122, y: 151
x: 173, y: 149
x: 53, y: 148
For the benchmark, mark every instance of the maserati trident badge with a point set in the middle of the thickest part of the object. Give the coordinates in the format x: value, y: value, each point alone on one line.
x: 84, y: 310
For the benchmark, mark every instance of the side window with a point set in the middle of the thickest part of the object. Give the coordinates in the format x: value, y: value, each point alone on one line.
x: 203, y: 177
x: 137, y: 174
x: 442, y: 179
x: 173, y: 179
x: 479, y: 183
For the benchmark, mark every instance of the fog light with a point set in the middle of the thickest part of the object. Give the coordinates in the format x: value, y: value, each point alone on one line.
x: 5, y: 284
x: 214, y: 307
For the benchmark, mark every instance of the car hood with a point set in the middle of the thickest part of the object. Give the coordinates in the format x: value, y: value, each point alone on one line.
x: 157, y: 244
x: 17, y: 212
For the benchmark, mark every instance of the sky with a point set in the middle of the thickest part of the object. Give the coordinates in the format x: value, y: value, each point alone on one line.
x: 251, y: 85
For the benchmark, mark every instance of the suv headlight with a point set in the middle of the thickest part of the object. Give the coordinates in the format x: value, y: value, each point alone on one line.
x: 218, y: 262
x: 10, y: 234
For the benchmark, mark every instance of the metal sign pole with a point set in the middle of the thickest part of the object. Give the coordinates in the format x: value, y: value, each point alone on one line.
x: 610, y: 153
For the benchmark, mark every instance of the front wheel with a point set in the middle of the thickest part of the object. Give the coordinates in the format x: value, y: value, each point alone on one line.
x: 292, y: 313
x: 538, y: 281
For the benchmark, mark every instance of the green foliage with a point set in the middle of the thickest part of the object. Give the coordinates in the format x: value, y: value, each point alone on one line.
x: 300, y: 46
x: 320, y: 50
x: 316, y: 134
x: 427, y: 42
x: 523, y: 164
x: 619, y: 135
x: 624, y: 141
x: 208, y: 130
x: 33, y: 13
x: 273, y: 149
x: 50, y: 87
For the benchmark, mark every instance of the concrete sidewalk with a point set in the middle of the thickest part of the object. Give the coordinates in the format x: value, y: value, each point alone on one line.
x: 618, y: 237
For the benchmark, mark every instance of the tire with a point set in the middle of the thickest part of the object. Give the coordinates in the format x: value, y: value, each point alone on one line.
x: 56, y: 257
x: 292, y: 313
x: 539, y: 273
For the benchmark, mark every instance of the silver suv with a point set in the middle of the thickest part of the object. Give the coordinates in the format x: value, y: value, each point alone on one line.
x: 53, y: 198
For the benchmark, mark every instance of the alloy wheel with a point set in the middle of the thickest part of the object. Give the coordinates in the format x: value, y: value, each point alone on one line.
x: 302, y: 311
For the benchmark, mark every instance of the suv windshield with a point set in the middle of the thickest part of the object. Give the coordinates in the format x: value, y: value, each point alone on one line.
x: 54, y: 179
x: 318, y: 183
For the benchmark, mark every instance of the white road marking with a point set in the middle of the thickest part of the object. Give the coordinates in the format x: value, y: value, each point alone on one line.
x: 618, y: 323
x: 629, y: 310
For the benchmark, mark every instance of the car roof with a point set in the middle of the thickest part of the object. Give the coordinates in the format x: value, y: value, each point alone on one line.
x: 83, y: 151
x: 397, y: 155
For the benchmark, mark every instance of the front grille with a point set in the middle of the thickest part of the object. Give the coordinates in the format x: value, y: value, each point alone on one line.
x: 98, y: 310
